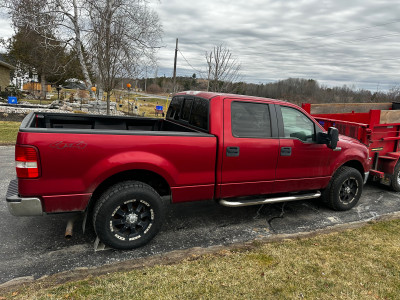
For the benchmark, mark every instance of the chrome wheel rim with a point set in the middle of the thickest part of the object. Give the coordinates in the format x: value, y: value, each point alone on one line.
x: 348, y: 190
x: 131, y: 220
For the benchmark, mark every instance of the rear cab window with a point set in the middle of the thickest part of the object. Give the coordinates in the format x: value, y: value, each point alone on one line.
x: 189, y: 110
x: 174, y: 109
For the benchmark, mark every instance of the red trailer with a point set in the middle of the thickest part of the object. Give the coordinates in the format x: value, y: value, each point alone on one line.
x: 376, y: 125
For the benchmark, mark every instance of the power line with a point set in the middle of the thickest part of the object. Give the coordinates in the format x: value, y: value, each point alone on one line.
x: 340, y: 32
x: 299, y: 47
x: 374, y: 37
x: 304, y: 61
x: 292, y: 62
x: 198, y: 71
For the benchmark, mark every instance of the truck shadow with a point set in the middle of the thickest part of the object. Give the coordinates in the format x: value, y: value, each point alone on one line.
x: 194, y: 224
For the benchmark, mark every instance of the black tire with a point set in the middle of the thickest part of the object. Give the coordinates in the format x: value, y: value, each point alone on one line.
x: 128, y: 215
x: 395, y: 178
x: 344, y: 189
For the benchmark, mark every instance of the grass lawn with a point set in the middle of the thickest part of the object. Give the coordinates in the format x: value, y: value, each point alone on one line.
x: 361, y: 263
x: 35, y: 101
x: 8, y: 132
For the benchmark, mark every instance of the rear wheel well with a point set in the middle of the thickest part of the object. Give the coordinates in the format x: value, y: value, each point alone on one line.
x: 154, y: 180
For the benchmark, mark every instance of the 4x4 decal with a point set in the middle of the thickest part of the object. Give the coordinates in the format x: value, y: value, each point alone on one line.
x: 63, y: 145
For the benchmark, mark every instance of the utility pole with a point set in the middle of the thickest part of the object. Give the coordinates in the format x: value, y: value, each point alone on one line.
x: 145, y: 82
x: 176, y: 56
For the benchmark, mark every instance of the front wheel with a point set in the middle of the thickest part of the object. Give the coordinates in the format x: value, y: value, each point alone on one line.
x: 395, y: 178
x: 344, y: 189
x: 128, y: 215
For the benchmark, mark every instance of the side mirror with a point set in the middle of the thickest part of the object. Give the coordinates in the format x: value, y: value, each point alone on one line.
x: 330, y: 138
x: 333, y: 134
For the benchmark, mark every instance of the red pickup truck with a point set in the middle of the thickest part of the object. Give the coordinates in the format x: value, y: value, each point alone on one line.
x: 238, y: 150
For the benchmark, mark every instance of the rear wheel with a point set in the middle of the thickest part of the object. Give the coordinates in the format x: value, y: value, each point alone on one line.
x: 128, y: 215
x: 344, y: 189
x: 395, y: 178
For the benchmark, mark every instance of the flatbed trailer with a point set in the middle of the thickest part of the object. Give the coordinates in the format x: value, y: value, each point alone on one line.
x: 377, y: 125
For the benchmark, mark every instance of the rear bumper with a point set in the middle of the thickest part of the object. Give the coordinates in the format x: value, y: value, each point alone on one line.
x: 18, y: 206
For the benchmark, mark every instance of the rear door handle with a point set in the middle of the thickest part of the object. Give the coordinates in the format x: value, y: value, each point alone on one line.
x: 232, y: 151
x: 286, y: 151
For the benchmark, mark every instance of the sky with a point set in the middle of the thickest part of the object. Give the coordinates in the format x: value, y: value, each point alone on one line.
x: 341, y: 42
x: 353, y: 42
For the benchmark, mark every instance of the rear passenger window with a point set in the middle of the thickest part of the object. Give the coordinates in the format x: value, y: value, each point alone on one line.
x: 187, y: 106
x: 250, y: 120
x: 199, y: 115
x: 175, y: 108
x: 190, y: 110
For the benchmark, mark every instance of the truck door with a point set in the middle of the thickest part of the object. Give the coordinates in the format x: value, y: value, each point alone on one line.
x: 250, y: 148
x: 302, y: 164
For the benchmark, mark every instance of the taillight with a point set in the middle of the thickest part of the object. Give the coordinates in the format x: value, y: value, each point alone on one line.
x: 26, y: 162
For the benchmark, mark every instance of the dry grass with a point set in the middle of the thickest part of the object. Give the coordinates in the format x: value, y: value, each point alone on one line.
x: 355, y: 264
x: 146, y: 106
x: 8, y: 132
x: 37, y: 101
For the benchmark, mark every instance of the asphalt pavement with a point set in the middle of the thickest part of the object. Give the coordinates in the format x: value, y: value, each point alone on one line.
x: 36, y: 247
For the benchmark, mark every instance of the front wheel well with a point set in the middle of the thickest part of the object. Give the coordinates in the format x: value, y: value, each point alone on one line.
x: 154, y: 180
x: 355, y: 164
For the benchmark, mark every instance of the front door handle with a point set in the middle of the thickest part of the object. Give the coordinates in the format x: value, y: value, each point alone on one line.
x: 286, y: 151
x: 232, y: 151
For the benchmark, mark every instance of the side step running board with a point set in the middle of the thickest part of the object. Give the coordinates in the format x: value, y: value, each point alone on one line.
x: 239, y: 203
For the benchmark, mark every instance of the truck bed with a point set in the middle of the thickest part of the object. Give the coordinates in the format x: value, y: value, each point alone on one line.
x: 80, y: 123
x: 78, y: 152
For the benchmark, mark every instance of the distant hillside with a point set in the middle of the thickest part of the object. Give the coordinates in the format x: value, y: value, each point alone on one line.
x: 299, y: 90
x: 296, y: 90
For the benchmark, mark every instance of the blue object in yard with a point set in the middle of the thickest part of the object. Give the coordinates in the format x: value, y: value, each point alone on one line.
x: 159, y: 107
x: 12, y: 100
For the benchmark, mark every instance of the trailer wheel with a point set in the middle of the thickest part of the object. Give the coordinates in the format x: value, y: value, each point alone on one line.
x: 344, y: 189
x: 128, y: 215
x: 395, y: 178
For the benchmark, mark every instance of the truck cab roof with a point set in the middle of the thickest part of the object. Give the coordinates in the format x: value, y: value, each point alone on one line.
x: 211, y: 95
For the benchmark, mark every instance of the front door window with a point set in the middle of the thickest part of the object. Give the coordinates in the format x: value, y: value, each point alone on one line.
x: 297, y: 125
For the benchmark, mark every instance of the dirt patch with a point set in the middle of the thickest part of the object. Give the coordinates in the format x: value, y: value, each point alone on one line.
x: 13, y: 117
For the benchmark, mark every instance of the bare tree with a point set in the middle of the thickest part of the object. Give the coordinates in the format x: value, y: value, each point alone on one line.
x: 124, y: 38
x: 58, y: 21
x: 120, y: 36
x: 223, y: 69
x: 394, y: 93
x: 34, y: 42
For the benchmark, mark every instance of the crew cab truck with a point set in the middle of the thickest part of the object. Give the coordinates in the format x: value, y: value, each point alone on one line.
x: 237, y: 150
x: 376, y: 125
